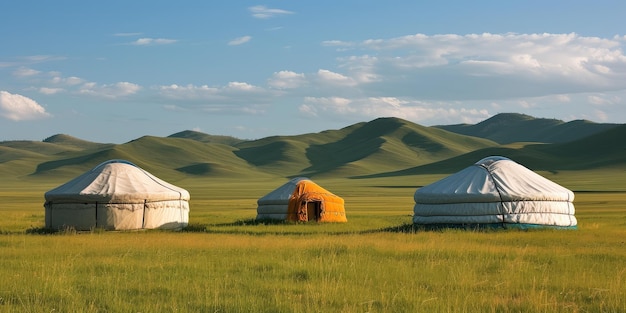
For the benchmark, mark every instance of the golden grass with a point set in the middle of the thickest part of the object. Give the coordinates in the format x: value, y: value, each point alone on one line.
x: 226, y: 263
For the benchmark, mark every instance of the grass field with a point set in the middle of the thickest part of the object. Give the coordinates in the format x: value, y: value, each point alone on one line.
x: 224, y: 262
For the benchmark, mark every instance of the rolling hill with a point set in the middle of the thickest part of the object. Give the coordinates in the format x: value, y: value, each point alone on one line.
x: 507, y: 128
x: 603, y: 150
x: 206, y: 138
x: 378, y: 148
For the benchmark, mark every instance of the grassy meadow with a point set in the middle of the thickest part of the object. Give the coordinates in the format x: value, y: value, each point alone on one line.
x: 377, y: 262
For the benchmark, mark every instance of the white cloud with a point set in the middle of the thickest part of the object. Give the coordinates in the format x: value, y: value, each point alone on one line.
x: 66, y: 81
x: 207, y: 93
x: 189, y: 92
x: 602, y: 100
x: 484, y: 66
x: 232, y: 98
x: 153, y: 41
x: 286, y: 80
x: 239, y: 41
x: 372, y: 107
x: 263, y: 12
x: 239, y: 86
x: 328, y: 77
x: 23, y: 72
x: 111, y: 91
x: 238, y: 96
x: 18, y: 108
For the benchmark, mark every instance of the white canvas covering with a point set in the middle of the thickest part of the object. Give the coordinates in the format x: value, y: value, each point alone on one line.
x: 495, y: 190
x: 274, y: 205
x: 300, y: 199
x: 117, y: 195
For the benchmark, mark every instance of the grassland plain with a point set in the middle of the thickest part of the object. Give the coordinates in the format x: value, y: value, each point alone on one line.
x: 377, y: 262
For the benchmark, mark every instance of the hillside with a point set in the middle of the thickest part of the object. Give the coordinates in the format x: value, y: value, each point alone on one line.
x: 206, y: 138
x: 603, y: 150
x: 169, y: 157
x: 507, y: 128
x: 379, y: 145
x: 378, y: 148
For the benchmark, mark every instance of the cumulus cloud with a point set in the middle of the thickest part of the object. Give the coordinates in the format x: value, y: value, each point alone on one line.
x: 239, y: 86
x: 263, y: 12
x: 239, y: 41
x: 189, y: 92
x: 19, y: 108
x: 485, y: 66
x: 234, y: 97
x: 66, y: 81
x: 153, y: 41
x: 205, y: 92
x: 286, y: 80
x: 111, y: 91
x: 328, y: 77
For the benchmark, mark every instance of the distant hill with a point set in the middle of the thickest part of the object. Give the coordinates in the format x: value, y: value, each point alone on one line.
x: 379, y: 145
x: 73, y: 142
x: 507, y: 128
x: 206, y: 138
x: 168, y: 156
x: 605, y: 149
x: 378, y: 148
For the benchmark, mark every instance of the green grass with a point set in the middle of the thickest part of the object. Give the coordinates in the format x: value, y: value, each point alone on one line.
x: 225, y: 262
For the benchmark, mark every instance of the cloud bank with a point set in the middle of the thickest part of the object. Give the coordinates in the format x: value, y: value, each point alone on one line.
x: 432, y: 79
x: 20, y: 108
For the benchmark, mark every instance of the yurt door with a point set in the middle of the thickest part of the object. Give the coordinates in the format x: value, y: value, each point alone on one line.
x: 313, y: 210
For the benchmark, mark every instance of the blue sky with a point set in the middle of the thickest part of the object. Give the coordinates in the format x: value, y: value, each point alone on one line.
x: 113, y: 71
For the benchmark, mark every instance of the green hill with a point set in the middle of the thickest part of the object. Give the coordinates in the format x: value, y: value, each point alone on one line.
x: 165, y: 157
x: 379, y: 148
x: 379, y: 145
x: 206, y: 138
x: 603, y: 150
x: 387, y: 143
x: 507, y: 128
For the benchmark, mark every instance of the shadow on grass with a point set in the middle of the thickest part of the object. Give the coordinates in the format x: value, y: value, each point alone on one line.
x: 223, y: 228
x: 61, y: 231
x: 403, y: 228
x: 210, y: 228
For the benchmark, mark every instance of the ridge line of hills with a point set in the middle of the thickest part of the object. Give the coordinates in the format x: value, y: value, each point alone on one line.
x: 381, y: 147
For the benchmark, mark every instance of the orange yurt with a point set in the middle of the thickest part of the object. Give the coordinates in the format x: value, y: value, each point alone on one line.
x: 300, y: 199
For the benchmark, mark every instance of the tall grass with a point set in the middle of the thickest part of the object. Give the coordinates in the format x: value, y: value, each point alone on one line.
x: 228, y: 263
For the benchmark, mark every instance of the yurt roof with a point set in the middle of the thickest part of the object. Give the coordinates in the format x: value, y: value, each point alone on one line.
x: 493, y: 179
x: 283, y: 192
x: 116, y: 181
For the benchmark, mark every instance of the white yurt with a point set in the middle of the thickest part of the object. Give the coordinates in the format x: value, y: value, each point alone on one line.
x: 301, y: 199
x: 495, y: 191
x: 117, y: 195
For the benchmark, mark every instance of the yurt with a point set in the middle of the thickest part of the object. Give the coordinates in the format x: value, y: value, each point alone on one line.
x: 495, y: 191
x: 117, y: 195
x: 300, y: 199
